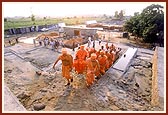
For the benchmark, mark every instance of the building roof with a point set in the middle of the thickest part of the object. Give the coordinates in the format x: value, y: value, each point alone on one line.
x: 61, y: 24
x: 91, y: 22
x: 83, y: 27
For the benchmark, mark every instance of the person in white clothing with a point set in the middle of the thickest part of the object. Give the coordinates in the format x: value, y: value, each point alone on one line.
x: 52, y: 43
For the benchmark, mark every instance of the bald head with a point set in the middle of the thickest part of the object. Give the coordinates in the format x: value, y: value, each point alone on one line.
x: 82, y: 47
x: 102, y: 53
x: 93, y: 56
x: 64, y: 51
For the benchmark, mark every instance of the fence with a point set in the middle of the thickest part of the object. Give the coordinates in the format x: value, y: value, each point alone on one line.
x: 24, y: 30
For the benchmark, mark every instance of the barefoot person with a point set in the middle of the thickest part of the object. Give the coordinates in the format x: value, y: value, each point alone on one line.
x: 93, y: 68
x: 67, y: 64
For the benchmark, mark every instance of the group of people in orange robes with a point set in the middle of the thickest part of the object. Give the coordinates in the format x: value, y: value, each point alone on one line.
x: 80, y: 60
x: 88, y: 61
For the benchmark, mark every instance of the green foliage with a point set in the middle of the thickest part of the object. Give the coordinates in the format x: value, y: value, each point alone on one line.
x: 5, y: 19
x: 27, y: 22
x: 44, y: 18
x: 147, y: 24
x: 134, y: 26
x: 119, y: 15
x: 116, y: 14
x: 32, y: 17
x: 136, y: 13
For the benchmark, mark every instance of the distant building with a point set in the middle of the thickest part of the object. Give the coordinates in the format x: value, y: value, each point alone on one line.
x: 80, y: 31
x: 61, y: 25
x: 91, y: 22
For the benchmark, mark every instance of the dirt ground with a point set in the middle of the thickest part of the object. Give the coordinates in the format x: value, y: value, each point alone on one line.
x: 47, y: 92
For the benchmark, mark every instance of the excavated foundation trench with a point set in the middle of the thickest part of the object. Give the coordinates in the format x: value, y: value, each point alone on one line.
x: 130, y: 91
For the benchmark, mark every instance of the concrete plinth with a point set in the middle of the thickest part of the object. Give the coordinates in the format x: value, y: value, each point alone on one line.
x: 11, y: 103
x: 123, y: 63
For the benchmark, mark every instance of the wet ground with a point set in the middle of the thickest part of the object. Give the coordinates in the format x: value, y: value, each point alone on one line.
x: 130, y: 91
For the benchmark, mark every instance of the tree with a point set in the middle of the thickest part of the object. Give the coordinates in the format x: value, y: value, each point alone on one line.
x: 116, y: 15
x: 147, y: 24
x: 104, y: 15
x: 5, y: 19
x: 32, y: 18
x: 153, y: 23
x: 136, y: 13
x: 121, y: 14
x: 134, y: 26
x: 45, y: 17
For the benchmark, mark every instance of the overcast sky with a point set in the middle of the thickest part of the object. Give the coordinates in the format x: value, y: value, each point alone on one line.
x: 54, y: 9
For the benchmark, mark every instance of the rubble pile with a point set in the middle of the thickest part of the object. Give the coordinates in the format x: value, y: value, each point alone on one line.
x: 49, y: 35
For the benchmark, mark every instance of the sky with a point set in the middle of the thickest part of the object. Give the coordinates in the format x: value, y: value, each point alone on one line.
x: 57, y: 9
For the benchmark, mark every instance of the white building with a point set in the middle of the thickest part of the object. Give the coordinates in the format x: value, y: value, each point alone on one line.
x: 91, y: 22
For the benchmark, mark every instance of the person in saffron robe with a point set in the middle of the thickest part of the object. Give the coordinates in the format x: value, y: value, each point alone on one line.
x: 93, y: 68
x: 98, y: 53
x: 67, y: 65
x: 110, y: 60
x: 103, y: 62
x: 113, y: 55
x: 80, y: 60
x: 92, y: 50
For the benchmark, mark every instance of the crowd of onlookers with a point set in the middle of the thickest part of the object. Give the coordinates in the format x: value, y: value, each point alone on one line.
x: 53, y: 43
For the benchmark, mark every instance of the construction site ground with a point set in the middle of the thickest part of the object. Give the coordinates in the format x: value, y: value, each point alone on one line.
x: 47, y: 92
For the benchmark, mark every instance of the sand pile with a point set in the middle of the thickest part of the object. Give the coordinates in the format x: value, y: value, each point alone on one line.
x: 74, y: 42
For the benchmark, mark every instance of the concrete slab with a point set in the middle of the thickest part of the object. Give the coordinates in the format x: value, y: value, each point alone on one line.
x: 123, y: 63
x: 27, y: 40
x: 11, y: 102
x: 161, y: 70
